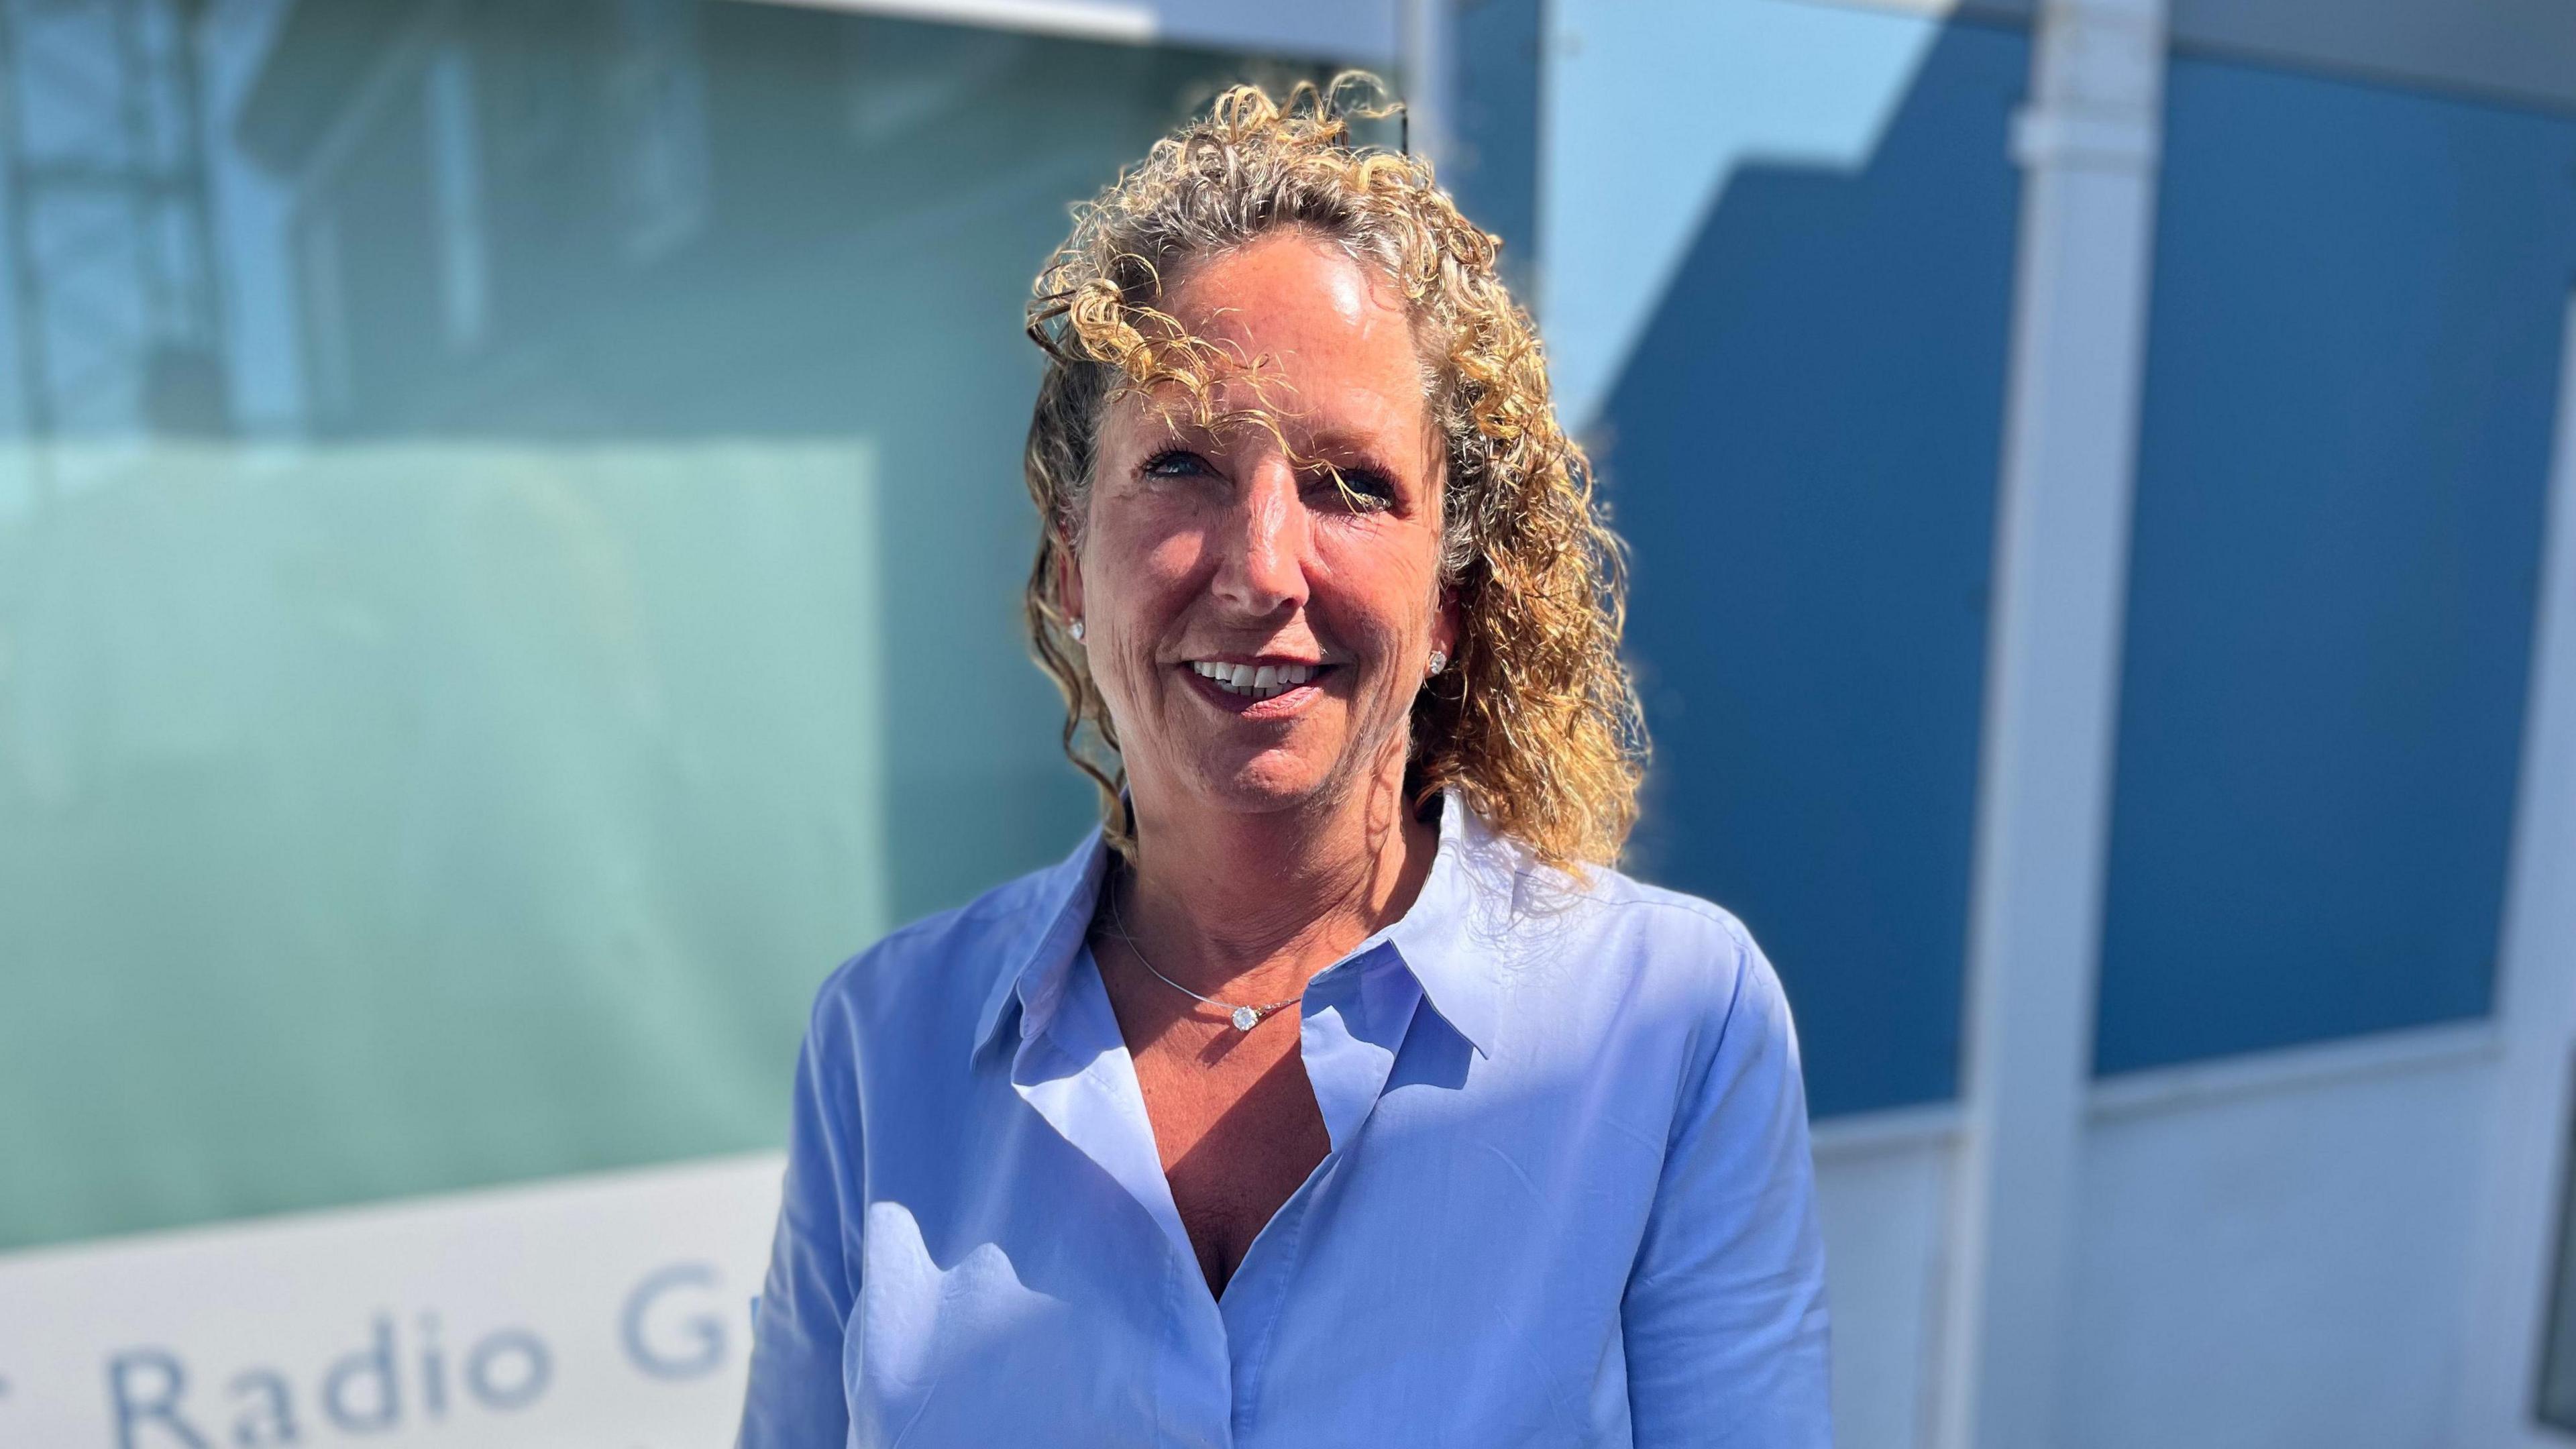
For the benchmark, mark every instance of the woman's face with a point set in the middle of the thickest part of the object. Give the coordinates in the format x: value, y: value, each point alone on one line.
x: 1210, y: 554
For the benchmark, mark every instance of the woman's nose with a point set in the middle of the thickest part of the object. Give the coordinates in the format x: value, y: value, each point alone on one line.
x: 1261, y: 564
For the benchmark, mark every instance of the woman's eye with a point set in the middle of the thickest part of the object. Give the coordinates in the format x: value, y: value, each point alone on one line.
x: 1175, y: 463
x: 1367, y: 489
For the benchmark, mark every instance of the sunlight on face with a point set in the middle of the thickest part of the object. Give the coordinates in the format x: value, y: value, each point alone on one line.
x: 1257, y: 632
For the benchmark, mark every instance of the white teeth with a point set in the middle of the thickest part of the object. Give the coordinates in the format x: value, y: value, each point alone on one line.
x: 1261, y: 681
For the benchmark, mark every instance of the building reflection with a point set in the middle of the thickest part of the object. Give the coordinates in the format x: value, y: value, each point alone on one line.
x: 116, y: 304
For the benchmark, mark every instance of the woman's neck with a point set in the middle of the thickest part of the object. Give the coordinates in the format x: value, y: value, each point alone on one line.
x: 1254, y: 904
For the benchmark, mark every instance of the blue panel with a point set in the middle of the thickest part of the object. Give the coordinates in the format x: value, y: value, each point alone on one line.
x: 1803, y: 453
x: 2353, y: 357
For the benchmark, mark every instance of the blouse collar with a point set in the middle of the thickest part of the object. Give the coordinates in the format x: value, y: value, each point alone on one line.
x: 1447, y: 939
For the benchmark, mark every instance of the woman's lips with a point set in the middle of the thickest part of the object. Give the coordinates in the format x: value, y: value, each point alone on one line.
x: 1278, y: 699
x: 1256, y: 676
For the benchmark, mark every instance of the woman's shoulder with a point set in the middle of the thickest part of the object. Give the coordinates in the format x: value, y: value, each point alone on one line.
x: 1690, y: 953
x: 1667, y: 910
x: 1603, y: 898
x: 1707, y: 984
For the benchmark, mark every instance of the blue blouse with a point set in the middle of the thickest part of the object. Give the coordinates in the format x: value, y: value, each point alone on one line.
x: 1568, y: 1200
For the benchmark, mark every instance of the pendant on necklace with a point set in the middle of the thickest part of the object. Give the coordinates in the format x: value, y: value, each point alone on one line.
x: 1245, y: 1018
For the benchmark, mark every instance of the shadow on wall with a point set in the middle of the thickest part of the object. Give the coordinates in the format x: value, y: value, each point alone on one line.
x: 2342, y: 476
x: 1802, y: 453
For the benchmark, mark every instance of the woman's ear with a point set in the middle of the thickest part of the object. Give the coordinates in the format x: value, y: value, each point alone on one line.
x: 1068, y: 579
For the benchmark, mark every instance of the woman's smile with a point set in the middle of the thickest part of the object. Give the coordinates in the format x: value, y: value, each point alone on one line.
x: 1265, y: 687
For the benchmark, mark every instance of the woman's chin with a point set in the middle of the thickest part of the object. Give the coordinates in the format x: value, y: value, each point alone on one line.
x: 1270, y: 781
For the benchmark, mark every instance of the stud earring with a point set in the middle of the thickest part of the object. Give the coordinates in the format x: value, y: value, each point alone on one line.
x: 1076, y: 631
x: 1439, y: 661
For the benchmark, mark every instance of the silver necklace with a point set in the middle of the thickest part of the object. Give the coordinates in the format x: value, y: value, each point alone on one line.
x: 1245, y: 1018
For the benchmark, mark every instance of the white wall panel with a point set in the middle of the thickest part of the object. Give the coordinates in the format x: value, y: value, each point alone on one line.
x: 1881, y: 1201
x: 2279, y: 1263
x: 2270, y: 1252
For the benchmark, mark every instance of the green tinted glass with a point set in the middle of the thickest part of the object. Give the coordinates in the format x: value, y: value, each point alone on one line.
x: 510, y: 540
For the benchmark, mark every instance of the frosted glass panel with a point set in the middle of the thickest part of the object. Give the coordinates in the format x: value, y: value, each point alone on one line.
x: 510, y: 537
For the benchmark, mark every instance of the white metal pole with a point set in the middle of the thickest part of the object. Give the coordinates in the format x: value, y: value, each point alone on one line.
x: 2535, y: 1005
x: 1429, y: 58
x: 2087, y: 143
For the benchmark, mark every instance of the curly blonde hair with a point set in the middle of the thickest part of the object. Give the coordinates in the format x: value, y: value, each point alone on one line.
x: 1536, y: 722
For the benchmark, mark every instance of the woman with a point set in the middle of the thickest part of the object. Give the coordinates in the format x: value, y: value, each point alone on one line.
x: 1335, y: 1091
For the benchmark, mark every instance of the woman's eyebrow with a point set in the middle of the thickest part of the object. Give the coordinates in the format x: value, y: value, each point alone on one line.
x: 1168, y: 432
x: 1344, y: 449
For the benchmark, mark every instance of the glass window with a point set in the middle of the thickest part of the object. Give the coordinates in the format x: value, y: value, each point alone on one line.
x: 510, y: 544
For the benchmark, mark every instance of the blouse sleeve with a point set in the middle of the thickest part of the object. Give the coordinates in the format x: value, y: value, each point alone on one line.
x: 1724, y: 1315
x: 796, y: 1399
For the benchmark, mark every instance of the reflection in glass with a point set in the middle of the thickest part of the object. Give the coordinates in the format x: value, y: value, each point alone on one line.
x: 114, y: 303
x: 510, y: 535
